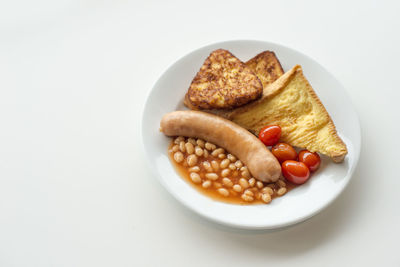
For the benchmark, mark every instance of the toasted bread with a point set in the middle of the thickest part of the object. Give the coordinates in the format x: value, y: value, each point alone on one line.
x: 223, y: 82
x: 291, y: 103
x: 266, y: 66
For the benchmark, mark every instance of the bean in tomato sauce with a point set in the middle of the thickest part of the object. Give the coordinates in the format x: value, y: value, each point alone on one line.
x: 220, y: 175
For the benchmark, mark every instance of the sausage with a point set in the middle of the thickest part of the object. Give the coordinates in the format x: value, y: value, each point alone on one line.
x: 261, y: 163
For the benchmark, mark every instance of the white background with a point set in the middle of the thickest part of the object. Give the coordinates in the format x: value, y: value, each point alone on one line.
x: 75, y: 189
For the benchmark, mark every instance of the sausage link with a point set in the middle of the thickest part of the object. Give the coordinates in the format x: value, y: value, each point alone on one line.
x: 232, y: 137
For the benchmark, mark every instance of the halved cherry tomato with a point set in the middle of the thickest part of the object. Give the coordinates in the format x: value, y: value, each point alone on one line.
x: 283, y: 151
x: 312, y: 160
x: 270, y: 135
x: 295, y: 172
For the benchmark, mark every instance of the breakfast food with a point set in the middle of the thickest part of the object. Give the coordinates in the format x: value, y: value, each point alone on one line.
x: 217, y: 149
x: 295, y: 171
x: 223, y: 82
x: 221, y: 175
x: 283, y: 152
x: 226, y: 134
x: 312, y: 160
x: 266, y: 66
x: 270, y: 134
x: 291, y: 103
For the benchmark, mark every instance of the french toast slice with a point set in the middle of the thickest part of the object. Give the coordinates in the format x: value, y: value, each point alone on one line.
x: 223, y: 82
x: 266, y: 66
x: 291, y: 103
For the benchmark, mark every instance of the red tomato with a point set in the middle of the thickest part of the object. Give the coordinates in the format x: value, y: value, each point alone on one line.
x: 312, y: 160
x: 270, y: 135
x: 283, y: 151
x: 295, y: 172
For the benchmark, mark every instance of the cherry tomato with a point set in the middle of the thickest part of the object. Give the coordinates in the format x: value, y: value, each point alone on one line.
x: 312, y: 160
x: 283, y: 151
x: 270, y: 134
x: 295, y: 172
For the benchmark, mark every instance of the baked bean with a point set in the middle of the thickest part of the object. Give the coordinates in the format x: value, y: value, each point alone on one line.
x: 182, y: 146
x: 215, y: 165
x: 217, y: 185
x: 224, y: 163
x: 246, y: 174
x: 207, y: 166
x: 225, y: 172
x: 195, y: 177
x: 231, y: 157
x: 253, y: 189
x: 217, y: 151
x: 281, y: 183
x: 252, y: 181
x: 212, y: 176
x: 267, y: 190
x: 248, y: 192
x: 243, y: 183
x: 210, y: 166
x: 194, y: 169
x: 221, y: 156
x: 209, y: 146
x: 179, y: 139
x: 206, y: 184
x: 232, y: 166
x: 266, y: 198
x: 178, y: 157
x: 189, y: 148
x: 192, y: 141
x: 237, y: 188
x: 247, y: 198
x: 198, y: 151
x: 191, y: 160
x: 223, y: 192
x: 238, y: 164
x: 281, y: 191
x: 200, y: 143
x: 227, y: 182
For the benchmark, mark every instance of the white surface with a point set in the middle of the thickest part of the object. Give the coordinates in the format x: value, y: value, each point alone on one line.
x: 297, y: 205
x: 74, y: 186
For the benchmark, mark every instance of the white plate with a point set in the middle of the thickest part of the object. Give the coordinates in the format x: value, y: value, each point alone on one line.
x: 297, y: 205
